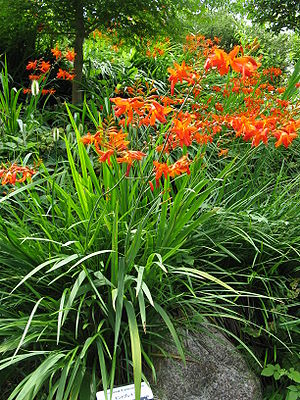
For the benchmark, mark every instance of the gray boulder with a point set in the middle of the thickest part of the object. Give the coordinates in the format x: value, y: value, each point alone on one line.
x: 214, y: 370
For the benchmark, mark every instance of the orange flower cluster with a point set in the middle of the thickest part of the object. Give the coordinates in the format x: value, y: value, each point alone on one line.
x: 199, y: 45
x: 158, y: 49
x: 112, y: 142
x: 247, y: 105
x: 40, y: 69
x: 68, y: 55
x: 251, y: 129
x: 256, y: 127
x: 181, y: 166
x: 184, y: 127
x: 62, y: 74
x: 272, y: 72
x: 43, y: 91
x: 15, y: 173
x: 149, y: 111
x: 219, y: 59
x: 182, y: 73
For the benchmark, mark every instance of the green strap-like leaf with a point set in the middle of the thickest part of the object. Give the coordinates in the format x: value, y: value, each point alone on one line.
x: 135, y: 348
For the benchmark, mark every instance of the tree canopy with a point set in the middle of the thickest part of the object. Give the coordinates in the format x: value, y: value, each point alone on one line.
x: 76, y: 19
x: 18, y: 31
x: 279, y: 14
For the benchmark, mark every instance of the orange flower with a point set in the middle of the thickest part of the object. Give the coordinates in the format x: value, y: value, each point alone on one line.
x: 245, y: 65
x: 61, y: 74
x: 69, y: 76
x: 284, y: 138
x: 219, y: 107
x: 129, y: 156
x: 203, y: 138
x: 280, y: 90
x: 56, y: 52
x: 105, y: 155
x: 223, y: 152
x: 126, y: 106
x: 222, y: 61
x: 151, y: 186
x: 160, y: 169
x: 44, y: 66
x: 156, y: 112
x: 15, y: 173
x: 181, y: 166
x: 179, y: 73
x: 217, y: 88
x: 31, y: 65
x: 48, y: 91
x: 70, y: 55
x: 287, y: 133
x: 91, y: 139
x: 34, y: 77
x: 117, y: 141
x: 184, y: 130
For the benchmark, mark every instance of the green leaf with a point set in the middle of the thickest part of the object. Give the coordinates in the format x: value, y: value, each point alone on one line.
x: 292, y: 395
x: 142, y: 309
x: 103, y: 369
x: 7, y: 362
x: 60, y: 313
x: 35, y: 270
x: 201, y: 274
x: 28, y: 325
x: 172, y: 330
x: 294, y: 375
x: 139, y: 280
x: 268, y: 370
x: 135, y: 348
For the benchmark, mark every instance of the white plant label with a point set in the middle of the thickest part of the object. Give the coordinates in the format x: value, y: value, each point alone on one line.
x: 127, y: 393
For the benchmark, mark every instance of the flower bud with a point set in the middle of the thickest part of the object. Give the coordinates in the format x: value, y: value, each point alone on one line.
x: 80, y: 128
x: 68, y: 128
x: 35, y: 88
x: 55, y: 133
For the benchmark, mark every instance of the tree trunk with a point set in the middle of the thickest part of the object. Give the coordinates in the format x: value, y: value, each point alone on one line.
x: 78, y: 48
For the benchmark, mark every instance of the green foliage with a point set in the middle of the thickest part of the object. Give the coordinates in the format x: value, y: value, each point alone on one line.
x: 9, y: 107
x: 275, y: 371
x: 86, y: 290
x: 276, y: 50
x: 279, y: 49
x: 278, y: 14
x: 17, y: 34
x: 23, y: 126
x: 96, y: 270
x: 219, y: 24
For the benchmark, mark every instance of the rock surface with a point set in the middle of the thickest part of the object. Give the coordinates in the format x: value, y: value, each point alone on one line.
x: 214, y: 370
